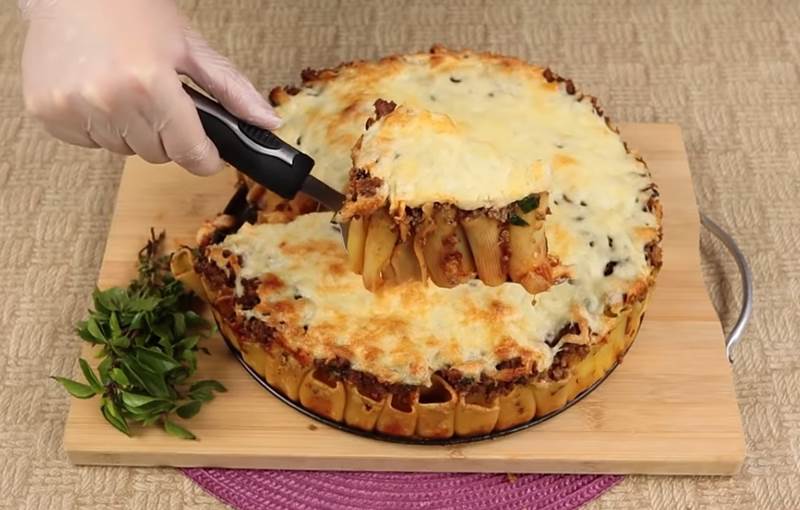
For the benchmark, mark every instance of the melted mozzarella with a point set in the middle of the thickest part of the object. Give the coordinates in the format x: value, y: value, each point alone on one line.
x: 425, y: 157
x: 597, y: 197
x: 401, y: 335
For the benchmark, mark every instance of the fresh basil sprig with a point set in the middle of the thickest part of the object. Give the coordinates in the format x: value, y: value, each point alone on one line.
x: 148, y: 337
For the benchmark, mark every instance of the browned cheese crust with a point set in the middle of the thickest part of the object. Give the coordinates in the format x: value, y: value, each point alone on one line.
x: 452, y: 401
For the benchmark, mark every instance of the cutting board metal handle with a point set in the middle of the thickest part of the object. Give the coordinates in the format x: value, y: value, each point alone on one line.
x: 746, y: 274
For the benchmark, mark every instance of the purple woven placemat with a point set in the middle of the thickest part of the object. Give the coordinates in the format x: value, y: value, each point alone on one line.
x: 247, y: 489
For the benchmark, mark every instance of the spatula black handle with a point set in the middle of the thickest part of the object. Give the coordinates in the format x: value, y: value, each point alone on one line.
x: 256, y: 152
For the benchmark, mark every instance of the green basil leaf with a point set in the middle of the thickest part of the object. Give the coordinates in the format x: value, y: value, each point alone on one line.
x: 161, y: 331
x: 150, y: 420
x: 97, y: 299
x: 208, y: 384
x: 192, y: 365
x: 76, y: 389
x: 516, y: 220
x: 169, y: 301
x: 194, y: 321
x: 529, y: 203
x: 141, y: 340
x: 119, y: 377
x: 144, y: 304
x: 113, y: 410
x: 102, y: 301
x: 156, y: 361
x: 190, y: 359
x: 120, y: 342
x: 112, y: 416
x: 137, y: 400
x: 149, y: 381
x: 131, y: 367
x: 120, y: 298
x: 179, y: 375
x: 83, y: 331
x: 179, y: 324
x: 162, y: 389
x: 203, y: 395
x: 176, y: 430
x: 188, y: 343
x: 137, y: 320
x: 113, y: 299
x: 114, y: 323
x: 104, y: 369
x: 100, y: 317
x: 186, y: 411
x: 154, y: 408
x: 167, y: 347
x: 94, y: 330
x: 88, y: 373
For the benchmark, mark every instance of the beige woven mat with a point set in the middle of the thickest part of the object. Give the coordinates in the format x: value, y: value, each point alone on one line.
x: 727, y: 72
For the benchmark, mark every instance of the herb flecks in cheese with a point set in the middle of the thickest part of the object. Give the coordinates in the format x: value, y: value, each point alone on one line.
x: 603, y: 221
x: 424, y: 157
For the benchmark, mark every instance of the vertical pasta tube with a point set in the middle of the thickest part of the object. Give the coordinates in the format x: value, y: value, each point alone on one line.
x: 181, y: 264
x: 550, y: 395
x: 483, y: 234
x: 356, y: 238
x: 254, y: 355
x: 437, y: 410
x: 528, y: 262
x: 284, y: 372
x: 516, y: 407
x: 226, y: 331
x: 388, y: 275
x: 272, y: 365
x: 378, y: 248
x: 323, y: 395
x: 360, y: 410
x: 223, y: 309
x: 399, y: 415
x: 446, y: 250
x: 476, y: 414
x: 583, y: 373
x: 404, y: 262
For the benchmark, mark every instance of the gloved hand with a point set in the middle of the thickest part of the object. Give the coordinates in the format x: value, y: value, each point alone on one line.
x: 101, y: 73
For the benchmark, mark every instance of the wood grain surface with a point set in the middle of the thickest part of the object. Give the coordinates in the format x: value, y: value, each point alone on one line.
x: 668, y: 409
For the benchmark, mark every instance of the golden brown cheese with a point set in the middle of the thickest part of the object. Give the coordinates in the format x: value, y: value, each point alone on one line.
x: 402, y: 334
x: 600, y: 225
x: 598, y: 190
x: 423, y: 157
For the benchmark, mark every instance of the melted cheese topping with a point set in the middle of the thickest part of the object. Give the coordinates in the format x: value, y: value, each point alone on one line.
x: 402, y: 335
x: 598, y: 225
x: 425, y: 157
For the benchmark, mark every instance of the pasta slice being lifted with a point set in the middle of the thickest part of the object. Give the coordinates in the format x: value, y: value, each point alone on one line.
x: 427, y: 201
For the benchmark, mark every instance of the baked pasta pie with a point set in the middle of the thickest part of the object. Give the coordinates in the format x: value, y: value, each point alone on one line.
x: 426, y: 199
x: 430, y: 361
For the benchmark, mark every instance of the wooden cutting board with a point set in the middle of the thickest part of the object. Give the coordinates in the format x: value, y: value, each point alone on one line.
x: 669, y: 408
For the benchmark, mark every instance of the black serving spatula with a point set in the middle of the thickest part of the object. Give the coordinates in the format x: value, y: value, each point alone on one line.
x: 261, y: 155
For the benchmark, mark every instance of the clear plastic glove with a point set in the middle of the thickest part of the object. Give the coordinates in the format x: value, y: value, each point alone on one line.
x: 101, y: 73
